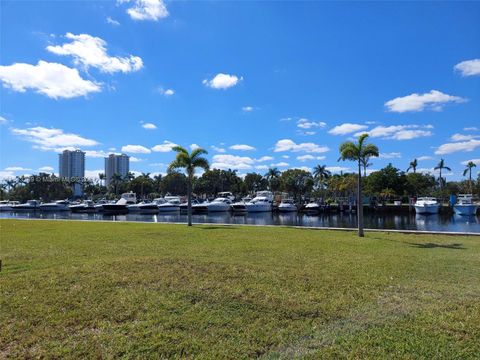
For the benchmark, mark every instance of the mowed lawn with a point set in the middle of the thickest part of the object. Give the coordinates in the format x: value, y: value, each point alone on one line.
x: 107, y: 290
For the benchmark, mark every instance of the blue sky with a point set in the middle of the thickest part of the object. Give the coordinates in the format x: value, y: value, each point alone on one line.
x: 257, y: 84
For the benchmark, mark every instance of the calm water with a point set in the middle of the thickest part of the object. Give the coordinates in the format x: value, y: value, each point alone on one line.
x: 375, y: 221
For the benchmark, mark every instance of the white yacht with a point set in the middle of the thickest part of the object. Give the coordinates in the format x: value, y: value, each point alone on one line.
x: 30, y: 205
x: 120, y: 207
x: 143, y: 208
x: 184, y: 205
x: 226, y: 194
x: 287, y: 205
x: 169, y: 204
x: 59, y: 205
x: 219, y: 204
x: 88, y: 206
x: 426, y: 205
x: 312, y: 207
x: 239, y: 206
x: 6, y: 205
x: 465, y: 205
x: 260, y: 203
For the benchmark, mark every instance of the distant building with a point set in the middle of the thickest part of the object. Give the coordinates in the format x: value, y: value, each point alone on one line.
x: 71, y: 166
x: 116, y: 164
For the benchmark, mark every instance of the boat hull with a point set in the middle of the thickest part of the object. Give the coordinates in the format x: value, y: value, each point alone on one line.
x: 466, y: 209
x: 169, y: 208
x: 258, y: 208
x: 427, y: 209
x: 53, y: 208
x: 114, y: 209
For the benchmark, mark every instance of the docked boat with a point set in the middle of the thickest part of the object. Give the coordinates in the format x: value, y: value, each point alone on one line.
x: 99, y: 204
x: 30, y: 205
x: 88, y: 206
x: 217, y: 205
x: 312, y: 207
x: 263, y: 202
x: 6, y: 205
x: 59, y: 205
x: 239, y: 206
x: 184, y: 206
x: 169, y: 204
x: 226, y: 194
x: 426, y: 205
x: 143, y: 208
x: 465, y: 205
x: 287, y: 205
x: 120, y: 207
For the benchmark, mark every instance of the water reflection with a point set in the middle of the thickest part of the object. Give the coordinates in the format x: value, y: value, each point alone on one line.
x: 434, y: 222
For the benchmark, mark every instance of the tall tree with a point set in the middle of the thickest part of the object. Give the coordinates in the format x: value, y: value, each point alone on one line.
x: 189, y: 162
x: 321, y: 174
x: 468, y: 170
x: 441, y: 166
x: 273, y: 178
x: 358, y: 152
x: 413, y: 166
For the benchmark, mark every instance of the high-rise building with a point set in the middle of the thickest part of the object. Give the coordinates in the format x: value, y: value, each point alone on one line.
x: 116, y: 164
x: 71, y: 166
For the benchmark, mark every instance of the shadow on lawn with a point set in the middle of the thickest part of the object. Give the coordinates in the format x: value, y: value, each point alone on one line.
x: 455, y: 246
x: 217, y: 227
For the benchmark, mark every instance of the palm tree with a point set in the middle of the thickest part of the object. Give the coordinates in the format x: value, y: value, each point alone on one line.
x: 189, y: 161
x: 101, y: 176
x: 272, y: 176
x: 413, y: 165
x: 116, y: 179
x: 320, y: 174
x: 441, y: 166
x: 468, y: 170
x: 358, y: 152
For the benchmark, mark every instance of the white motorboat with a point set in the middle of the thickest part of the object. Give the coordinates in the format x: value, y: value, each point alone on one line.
x: 59, y: 205
x: 88, y: 206
x: 169, y: 204
x: 465, y: 205
x: 260, y: 203
x: 226, y: 194
x: 143, y: 208
x: 99, y: 205
x: 312, y: 207
x: 6, y: 205
x: 184, y: 206
x: 287, y: 205
x: 239, y: 206
x: 30, y: 205
x: 219, y: 205
x: 426, y: 205
x: 120, y: 207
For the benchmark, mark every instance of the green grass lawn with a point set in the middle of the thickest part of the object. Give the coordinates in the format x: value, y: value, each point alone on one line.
x: 106, y: 290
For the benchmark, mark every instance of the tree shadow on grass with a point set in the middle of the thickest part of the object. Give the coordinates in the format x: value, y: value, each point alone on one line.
x: 217, y: 227
x: 454, y: 246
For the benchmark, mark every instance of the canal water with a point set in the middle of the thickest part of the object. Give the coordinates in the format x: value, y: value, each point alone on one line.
x: 412, y: 221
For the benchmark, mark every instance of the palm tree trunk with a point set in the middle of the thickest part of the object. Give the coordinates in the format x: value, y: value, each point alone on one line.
x: 360, y: 202
x: 189, y: 204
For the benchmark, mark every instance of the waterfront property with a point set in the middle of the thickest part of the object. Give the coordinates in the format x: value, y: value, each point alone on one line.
x: 83, y: 290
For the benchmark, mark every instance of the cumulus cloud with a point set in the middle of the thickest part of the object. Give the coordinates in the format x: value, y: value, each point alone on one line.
x: 152, y: 10
x: 475, y: 161
x: 149, y: 126
x: 264, y: 158
x: 136, y: 149
x: 93, y: 174
x: 424, y: 157
x: 90, y: 51
x: 95, y: 153
x: 165, y: 147
x: 222, y: 81
x: 247, y: 109
x: 464, y: 146
x: 468, y: 67
x: 461, y: 137
x: 346, y: 128
x: 51, y: 138
x: 217, y: 149
x: 290, y: 145
x: 434, y: 100
x: 308, y: 124
x: 233, y: 162
x: 337, y: 169
x: 112, y: 21
x: 261, y: 167
x: 16, y: 168
x: 399, y: 132
x: 49, y: 79
x: 194, y: 146
x: 308, y: 157
x: 166, y: 92
x: 46, y: 169
x: 471, y: 128
x: 280, y: 164
x: 3, y: 120
x: 391, y: 155
x: 242, y: 147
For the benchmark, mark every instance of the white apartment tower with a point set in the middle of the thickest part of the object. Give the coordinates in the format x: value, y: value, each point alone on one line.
x: 71, y: 166
x: 116, y: 164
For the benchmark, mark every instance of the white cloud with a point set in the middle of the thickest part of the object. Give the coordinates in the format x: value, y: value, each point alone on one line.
x: 95, y: 153
x: 52, y: 139
x: 16, y: 168
x: 135, y: 159
x: 337, y: 169
x: 242, y: 147
x: 149, y: 126
x: 49, y: 79
x: 475, y: 161
x: 146, y: 9
x: 261, y: 167
x: 306, y: 133
x: 45, y: 169
x: 290, y: 145
x: 434, y: 100
x: 472, y: 128
x: 391, y: 155
x: 398, y: 132
x: 222, y: 81
x: 424, y: 157
x: 165, y: 147
x: 112, y: 21
x: 449, y: 148
x: 280, y: 164
x: 194, y: 146
x: 286, y: 119
x: 286, y: 156
x: 3, y: 120
x: 469, y: 67
x: 6, y: 174
x: 91, y: 51
x: 304, y: 168
x: 346, y: 128
x: 264, y: 158
x: 217, y: 149
x: 166, y: 92
x: 136, y: 149
x: 461, y: 137
x: 308, y: 157
x: 232, y: 162
x: 308, y: 124
x: 247, y: 109
x: 93, y: 174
